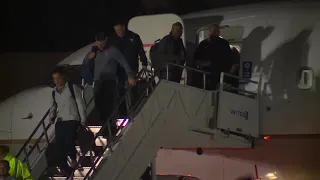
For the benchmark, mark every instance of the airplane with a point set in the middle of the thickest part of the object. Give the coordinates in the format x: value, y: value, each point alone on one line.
x: 278, y: 43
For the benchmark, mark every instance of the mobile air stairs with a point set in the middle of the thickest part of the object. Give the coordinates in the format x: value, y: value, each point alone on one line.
x: 167, y: 115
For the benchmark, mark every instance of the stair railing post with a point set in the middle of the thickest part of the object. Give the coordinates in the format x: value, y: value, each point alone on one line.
x: 167, y: 72
x: 204, y: 80
x: 153, y: 169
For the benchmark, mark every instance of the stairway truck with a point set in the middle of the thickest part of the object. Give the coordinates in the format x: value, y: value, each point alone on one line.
x: 279, y: 77
x: 278, y: 44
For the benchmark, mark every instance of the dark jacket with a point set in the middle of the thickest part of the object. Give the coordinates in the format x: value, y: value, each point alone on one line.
x: 169, y: 49
x: 131, y: 47
x: 218, y: 52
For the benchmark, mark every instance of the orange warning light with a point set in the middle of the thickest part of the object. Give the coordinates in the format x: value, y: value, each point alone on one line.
x: 266, y: 137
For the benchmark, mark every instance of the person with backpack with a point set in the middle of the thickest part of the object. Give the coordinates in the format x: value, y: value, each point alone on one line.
x: 102, y: 62
x: 170, y: 49
x: 131, y: 46
x: 155, y: 63
x: 67, y: 111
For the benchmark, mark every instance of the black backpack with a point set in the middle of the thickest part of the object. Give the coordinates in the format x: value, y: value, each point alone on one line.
x: 155, y: 62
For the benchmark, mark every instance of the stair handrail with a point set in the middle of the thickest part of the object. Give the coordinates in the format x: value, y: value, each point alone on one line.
x: 24, y: 147
x: 137, y: 104
x: 44, y: 133
x: 222, y: 83
x: 36, y: 144
x: 122, y: 100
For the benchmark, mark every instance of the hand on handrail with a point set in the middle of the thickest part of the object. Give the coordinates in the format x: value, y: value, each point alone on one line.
x: 33, y: 133
x: 135, y: 106
x: 186, y: 67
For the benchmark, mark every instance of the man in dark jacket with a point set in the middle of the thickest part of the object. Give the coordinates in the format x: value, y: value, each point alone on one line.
x: 105, y: 59
x: 214, y: 55
x: 130, y: 45
x: 171, y: 49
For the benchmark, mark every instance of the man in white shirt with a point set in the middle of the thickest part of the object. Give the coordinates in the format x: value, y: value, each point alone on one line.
x: 68, y: 110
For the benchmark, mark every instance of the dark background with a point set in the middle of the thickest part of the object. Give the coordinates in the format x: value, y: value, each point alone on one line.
x: 36, y: 35
x: 66, y: 25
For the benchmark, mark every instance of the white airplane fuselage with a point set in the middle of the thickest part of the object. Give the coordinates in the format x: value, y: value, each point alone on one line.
x: 279, y: 41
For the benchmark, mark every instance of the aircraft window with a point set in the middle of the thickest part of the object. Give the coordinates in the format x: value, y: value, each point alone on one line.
x: 305, y: 78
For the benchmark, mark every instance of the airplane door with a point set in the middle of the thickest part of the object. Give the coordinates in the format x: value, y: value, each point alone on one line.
x: 153, y: 27
x: 234, y: 35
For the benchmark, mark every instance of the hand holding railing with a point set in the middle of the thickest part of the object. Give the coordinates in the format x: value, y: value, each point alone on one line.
x: 204, y: 73
x: 222, y: 83
x: 133, y: 110
x: 36, y: 144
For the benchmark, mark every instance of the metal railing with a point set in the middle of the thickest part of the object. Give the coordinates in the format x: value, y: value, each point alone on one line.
x: 132, y: 112
x: 26, y: 149
x: 204, y: 73
x: 224, y: 86
x: 36, y: 144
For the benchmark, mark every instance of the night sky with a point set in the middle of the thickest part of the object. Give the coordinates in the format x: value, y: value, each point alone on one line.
x: 66, y: 25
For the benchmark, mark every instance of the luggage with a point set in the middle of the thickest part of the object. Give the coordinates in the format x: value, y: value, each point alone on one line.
x: 156, y: 62
x: 51, y: 154
x: 143, y: 83
x: 142, y: 89
x: 85, y: 139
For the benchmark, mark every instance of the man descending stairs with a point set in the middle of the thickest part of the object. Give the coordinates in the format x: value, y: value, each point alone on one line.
x: 87, y: 159
x: 173, y: 115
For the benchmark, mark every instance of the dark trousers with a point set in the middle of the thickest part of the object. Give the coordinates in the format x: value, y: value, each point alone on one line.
x: 104, y: 96
x: 122, y: 79
x: 66, y: 134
